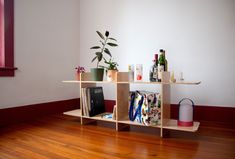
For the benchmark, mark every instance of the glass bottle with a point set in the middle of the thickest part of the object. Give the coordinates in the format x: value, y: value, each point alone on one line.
x: 153, y: 73
x: 166, y: 62
x: 161, y: 66
x: 131, y: 72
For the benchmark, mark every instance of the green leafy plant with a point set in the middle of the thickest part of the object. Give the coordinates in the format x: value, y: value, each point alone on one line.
x: 111, y: 65
x: 103, y: 47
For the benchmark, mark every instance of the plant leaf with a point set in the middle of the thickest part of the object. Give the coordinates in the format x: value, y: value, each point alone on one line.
x: 95, y: 47
x: 94, y: 59
x: 107, y: 33
x: 112, y: 44
x: 106, y: 62
x: 102, y: 37
x: 112, y: 39
x: 102, y: 66
x: 99, y: 55
x: 107, y: 52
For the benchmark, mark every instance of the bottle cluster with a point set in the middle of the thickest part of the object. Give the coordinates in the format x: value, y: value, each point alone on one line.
x: 159, y: 65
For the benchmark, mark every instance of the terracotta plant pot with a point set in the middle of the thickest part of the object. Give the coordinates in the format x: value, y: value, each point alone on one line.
x: 78, y: 76
x: 111, y: 75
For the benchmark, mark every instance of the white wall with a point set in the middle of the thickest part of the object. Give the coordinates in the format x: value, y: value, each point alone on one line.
x: 198, y: 36
x: 46, y: 52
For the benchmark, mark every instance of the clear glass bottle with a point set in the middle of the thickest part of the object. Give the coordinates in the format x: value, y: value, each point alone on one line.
x: 131, y: 72
x: 153, y: 73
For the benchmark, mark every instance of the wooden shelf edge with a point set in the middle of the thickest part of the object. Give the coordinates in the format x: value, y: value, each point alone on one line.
x: 186, y: 83
x: 137, y: 82
x: 76, y: 113
x: 71, y: 81
x: 112, y: 82
x: 76, y: 81
x: 128, y: 82
x: 172, y: 125
x: 136, y: 124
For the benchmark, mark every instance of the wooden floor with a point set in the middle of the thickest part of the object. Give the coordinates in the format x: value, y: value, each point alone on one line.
x: 60, y: 136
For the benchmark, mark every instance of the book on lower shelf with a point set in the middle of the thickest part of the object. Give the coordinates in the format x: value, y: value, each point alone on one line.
x: 92, y: 101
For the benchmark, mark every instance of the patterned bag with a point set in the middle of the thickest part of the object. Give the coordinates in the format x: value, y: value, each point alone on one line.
x: 145, y: 108
x: 136, y: 102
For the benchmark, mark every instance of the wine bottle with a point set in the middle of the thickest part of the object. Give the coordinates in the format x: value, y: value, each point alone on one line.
x: 166, y: 62
x: 161, y: 67
x: 153, y: 73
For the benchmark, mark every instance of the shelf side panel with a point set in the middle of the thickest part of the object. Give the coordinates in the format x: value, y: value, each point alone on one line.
x: 122, y: 77
x: 165, y: 92
x: 166, y: 109
x: 122, y: 101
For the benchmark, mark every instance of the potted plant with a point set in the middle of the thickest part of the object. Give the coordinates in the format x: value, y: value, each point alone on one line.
x: 111, y: 70
x: 79, y: 71
x: 105, y: 41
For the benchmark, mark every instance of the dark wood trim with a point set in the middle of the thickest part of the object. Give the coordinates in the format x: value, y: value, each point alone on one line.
x: 8, y: 68
x: 208, y: 113
x: 9, y: 38
x: 29, y: 112
x: 7, y: 71
x: 201, y: 113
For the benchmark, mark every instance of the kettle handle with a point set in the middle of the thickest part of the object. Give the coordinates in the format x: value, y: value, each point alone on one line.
x: 186, y: 99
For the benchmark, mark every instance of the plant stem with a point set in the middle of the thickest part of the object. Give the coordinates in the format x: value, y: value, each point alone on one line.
x: 102, y: 50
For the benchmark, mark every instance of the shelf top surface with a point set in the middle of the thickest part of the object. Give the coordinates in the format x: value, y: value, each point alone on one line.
x: 137, y: 82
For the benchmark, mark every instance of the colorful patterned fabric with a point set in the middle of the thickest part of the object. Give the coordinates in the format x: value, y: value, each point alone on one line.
x: 136, y: 101
x: 150, y: 113
x: 151, y: 109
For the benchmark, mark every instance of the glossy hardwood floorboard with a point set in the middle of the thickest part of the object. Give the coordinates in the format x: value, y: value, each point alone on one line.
x: 62, y: 137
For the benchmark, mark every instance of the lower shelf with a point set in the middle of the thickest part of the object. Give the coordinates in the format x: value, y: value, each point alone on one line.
x: 172, y: 124
x: 127, y: 121
x: 100, y: 117
x: 168, y: 124
x: 76, y: 112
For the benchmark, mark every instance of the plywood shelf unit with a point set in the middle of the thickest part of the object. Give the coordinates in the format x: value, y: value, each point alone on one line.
x: 122, y: 89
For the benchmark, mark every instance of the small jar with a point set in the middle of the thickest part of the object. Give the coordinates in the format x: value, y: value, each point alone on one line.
x: 139, y: 72
x: 131, y: 73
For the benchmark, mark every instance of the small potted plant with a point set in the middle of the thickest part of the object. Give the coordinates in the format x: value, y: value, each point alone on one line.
x: 111, y: 70
x: 105, y: 41
x: 79, y: 71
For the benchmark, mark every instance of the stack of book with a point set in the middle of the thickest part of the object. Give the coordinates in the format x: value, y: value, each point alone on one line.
x: 92, y: 101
